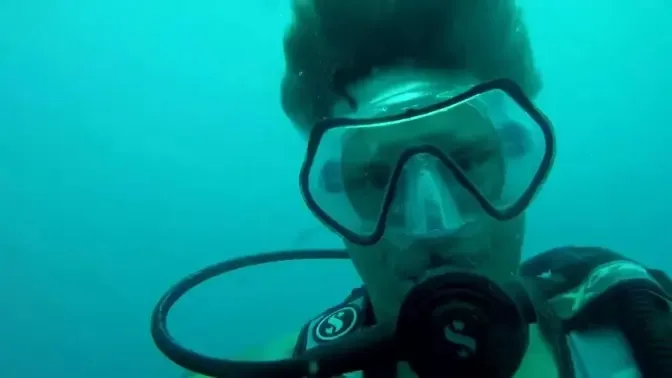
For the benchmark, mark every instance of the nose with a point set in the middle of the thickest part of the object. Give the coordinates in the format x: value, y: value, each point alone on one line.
x: 429, y: 201
x: 430, y: 210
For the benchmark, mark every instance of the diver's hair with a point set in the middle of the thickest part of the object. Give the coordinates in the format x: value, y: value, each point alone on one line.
x: 333, y: 43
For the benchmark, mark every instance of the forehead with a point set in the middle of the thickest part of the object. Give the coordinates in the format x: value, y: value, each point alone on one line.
x: 383, y: 83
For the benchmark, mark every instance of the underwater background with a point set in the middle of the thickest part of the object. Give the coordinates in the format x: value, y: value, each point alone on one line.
x: 141, y: 140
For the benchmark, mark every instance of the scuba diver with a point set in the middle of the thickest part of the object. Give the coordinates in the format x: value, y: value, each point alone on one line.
x: 424, y: 150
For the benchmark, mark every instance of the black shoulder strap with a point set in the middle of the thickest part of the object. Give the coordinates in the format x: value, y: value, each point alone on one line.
x: 589, y: 287
x: 566, y: 267
x: 301, y: 341
x: 317, y: 330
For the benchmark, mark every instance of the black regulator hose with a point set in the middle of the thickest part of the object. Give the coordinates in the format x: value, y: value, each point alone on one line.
x: 222, y: 367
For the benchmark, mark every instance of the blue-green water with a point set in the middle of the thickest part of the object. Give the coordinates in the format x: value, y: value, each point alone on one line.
x: 140, y: 140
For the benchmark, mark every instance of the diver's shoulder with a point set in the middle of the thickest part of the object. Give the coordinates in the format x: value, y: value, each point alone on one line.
x: 570, y: 257
x: 565, y: 267
x: 276, y: 349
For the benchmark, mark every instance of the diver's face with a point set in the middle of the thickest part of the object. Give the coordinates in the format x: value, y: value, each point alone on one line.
x: 422, y: 178
x: 402, y: 258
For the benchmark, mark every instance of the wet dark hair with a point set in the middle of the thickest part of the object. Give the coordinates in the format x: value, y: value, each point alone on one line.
x: 333, y: 43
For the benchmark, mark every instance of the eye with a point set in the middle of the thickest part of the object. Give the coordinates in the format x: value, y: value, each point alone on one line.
x: 469, y: 159
x: 377, y: 174
x: 331, y: 177
x: 373, y: 175
x: 464, y: 162
x: 516, y: 140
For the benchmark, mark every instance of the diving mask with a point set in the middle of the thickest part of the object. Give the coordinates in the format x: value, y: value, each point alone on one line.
x: 424, y: 162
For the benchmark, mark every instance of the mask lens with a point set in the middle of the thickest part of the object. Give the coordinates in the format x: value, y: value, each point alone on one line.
x: 485, y: 150
x: 350, y: 190
x: 521, y: 146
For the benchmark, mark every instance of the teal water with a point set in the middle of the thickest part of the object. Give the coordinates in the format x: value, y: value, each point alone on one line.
x: 141, y: 140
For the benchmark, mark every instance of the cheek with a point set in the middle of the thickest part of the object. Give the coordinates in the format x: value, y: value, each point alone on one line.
x: 384, y: 263
x: 499, y: 234
x: 506, y: 240
x: 368, y: 261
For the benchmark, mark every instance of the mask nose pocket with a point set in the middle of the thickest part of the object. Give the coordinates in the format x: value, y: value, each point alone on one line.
x: 430, y: 209
x: 435, y: 221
